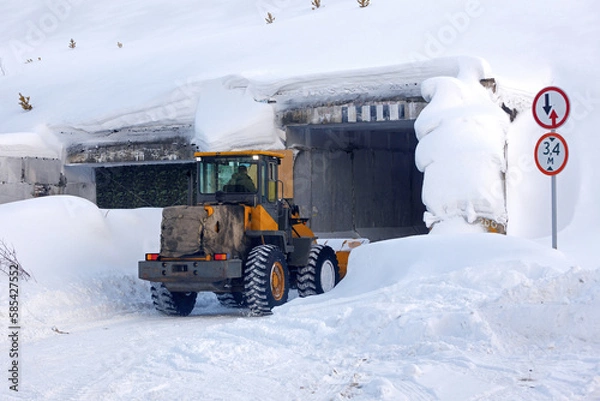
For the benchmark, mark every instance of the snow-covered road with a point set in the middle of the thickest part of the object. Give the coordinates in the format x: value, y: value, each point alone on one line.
x: 444, y: 338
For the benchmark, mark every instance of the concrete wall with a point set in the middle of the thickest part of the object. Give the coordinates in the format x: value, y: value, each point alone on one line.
x: 81, y: 181
x: 31, y: 177
x: 358, y: 181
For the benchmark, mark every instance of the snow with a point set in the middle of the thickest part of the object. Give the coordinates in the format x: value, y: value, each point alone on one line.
x: 462, y: 136
x: 505, y: 317
x: 87, y: 239
x: 449, y: 316
x: 252, y: 128
x: 30, y: 144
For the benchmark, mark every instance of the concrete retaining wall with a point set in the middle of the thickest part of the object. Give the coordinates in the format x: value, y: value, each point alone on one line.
x: 358, y: 182
x: 31, y: 177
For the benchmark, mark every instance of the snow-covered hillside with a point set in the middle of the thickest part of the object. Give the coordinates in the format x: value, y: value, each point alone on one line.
x: 437, y: 317
x: 170, y: 54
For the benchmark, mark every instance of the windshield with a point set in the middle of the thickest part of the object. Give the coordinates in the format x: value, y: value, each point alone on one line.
x: 236, y: 174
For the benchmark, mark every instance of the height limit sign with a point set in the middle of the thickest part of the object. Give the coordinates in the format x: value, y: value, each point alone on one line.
x: 550, y: 110
x: 551, y: 153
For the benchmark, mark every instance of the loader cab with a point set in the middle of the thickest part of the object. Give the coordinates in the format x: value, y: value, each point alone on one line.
x: 249, y: 178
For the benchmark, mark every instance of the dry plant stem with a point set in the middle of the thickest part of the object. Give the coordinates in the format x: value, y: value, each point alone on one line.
x: 24, y: 102
x: 8, y: 258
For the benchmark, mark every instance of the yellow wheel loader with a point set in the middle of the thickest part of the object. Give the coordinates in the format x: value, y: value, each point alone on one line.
x: 244, y: 239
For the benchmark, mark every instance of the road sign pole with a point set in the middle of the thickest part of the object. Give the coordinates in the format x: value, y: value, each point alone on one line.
x: 554, y: 215
x: 550, y: 110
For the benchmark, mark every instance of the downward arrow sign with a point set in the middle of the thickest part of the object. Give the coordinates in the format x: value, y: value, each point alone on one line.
x: 547, y: 106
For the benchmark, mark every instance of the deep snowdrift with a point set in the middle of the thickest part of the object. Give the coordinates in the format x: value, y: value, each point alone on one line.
x: 508, y: 318
x: 461, y: 150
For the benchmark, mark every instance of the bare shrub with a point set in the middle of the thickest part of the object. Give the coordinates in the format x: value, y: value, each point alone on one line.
x: 8, y: 259
x: 24, y: 102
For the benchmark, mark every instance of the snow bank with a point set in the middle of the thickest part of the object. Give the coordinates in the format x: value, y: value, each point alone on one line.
x: 83, y: 260
x: 492, y: 312
x: 462, y: 135
x: 229, y: 118
x: 420, y: 257
x: 450, y: 289
x: 30, y: 144
x: 64, y: 236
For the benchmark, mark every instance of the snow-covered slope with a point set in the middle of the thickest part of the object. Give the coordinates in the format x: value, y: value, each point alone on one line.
x: 434, y: 318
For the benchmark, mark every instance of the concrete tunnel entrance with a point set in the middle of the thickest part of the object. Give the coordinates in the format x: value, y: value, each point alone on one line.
x: 351, y: 179
x: 354, y: 167
x: 358, y: 179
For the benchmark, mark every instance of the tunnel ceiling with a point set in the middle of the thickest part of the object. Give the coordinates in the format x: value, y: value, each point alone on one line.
x: 393, y: 136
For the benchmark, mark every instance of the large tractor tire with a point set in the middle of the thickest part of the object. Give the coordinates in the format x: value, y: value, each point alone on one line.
x: 231, y: 299
x: 266, y: 280
x: 321, y: 274
x: 172, y: 303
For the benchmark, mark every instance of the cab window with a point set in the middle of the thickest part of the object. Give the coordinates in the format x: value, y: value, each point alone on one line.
x: 227, y: 175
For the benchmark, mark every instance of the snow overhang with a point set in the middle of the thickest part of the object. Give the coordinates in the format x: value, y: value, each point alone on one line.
x: 133, y: 145
x: 391, y: 83
x: 376, y: 95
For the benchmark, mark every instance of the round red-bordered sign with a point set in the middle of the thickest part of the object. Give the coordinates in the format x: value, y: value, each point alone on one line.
x: 551, y: 153
x: 551, y: 107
